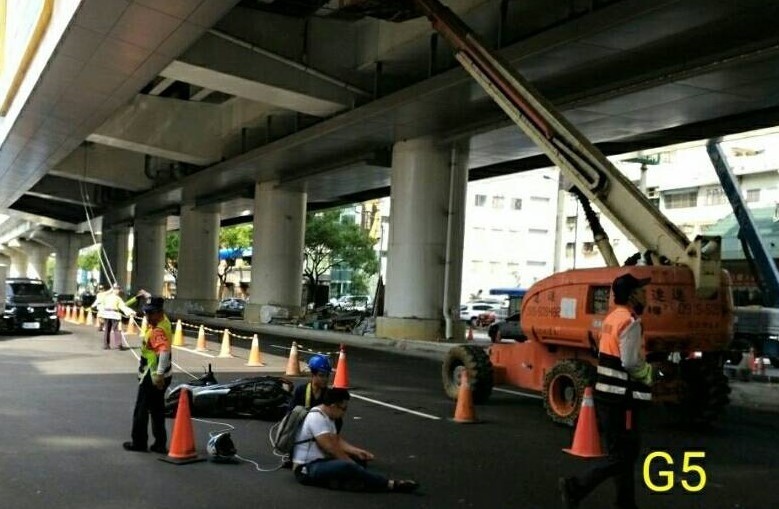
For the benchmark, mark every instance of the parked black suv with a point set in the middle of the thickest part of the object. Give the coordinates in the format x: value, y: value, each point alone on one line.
x: 29, y: 306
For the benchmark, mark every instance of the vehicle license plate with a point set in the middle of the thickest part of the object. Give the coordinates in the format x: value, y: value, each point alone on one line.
x: 31, y: 325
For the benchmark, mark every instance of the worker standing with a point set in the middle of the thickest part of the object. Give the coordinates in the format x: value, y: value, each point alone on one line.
x: 622, y: 387
x: 102, y: 293
x: 154, y: 373
x: 111, y: 312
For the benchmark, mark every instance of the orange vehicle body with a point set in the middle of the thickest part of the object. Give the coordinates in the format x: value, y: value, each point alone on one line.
x: 562, y: 315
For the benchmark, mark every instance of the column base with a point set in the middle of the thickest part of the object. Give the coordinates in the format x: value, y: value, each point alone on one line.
x: 264, y: 313
x: 418, y: 329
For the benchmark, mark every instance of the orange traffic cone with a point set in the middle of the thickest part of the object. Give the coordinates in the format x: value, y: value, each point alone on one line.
x: 226, y: 351
x: 69, y: 313
x: 254, y: 355
x: 132, y: 327
x: 293, y: 366
x: 178, y: 336
x: 470, y: 334
x: 90, y: 319
x: 182, y: 442
x: 341, y: 371
x: 464, y: 412
x: 586, y: 441
x: 755, y: 363
x: 81, y: 318
x: 201, y: 340
x: 144, y: 326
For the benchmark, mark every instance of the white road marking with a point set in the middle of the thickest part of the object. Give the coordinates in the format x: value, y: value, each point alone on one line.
x: 395, y: 407
x: 517, y: 393
x: 204, y: 354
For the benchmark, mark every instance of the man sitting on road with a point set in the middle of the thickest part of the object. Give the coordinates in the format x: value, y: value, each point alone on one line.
x: 323, y: 458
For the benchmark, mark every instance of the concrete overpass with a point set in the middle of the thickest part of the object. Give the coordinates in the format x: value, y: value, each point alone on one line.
x: 141, y: 111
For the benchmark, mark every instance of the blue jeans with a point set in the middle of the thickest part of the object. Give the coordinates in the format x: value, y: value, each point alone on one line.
x: 341, y: 475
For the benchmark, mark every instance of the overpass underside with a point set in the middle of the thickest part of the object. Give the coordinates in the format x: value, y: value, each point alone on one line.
x: 154, y: 116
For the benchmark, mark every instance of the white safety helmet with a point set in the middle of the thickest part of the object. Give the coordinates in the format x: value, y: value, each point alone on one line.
x: 221, y: 448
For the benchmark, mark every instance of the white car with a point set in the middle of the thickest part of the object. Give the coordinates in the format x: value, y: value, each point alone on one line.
x: 470, y: 312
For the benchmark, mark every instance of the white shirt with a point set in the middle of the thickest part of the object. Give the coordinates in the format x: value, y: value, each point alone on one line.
x: 315, y: 424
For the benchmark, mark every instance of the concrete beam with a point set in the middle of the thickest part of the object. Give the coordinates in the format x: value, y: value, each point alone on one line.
x: 179, y: 130
x: 244, y: 72
x: 106, y: 166
x: 65, y: 190
x: 16, y: 230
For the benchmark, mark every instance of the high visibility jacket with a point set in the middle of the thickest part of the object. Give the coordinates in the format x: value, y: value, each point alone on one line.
x: 155, y: 350
x: 623, y: 374
x: 112, y: 306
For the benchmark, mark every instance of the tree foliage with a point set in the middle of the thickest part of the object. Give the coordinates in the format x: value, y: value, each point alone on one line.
x: 89, y: 260
x: 172, y: 241
x: 331, y: 241
x: 235, y: 237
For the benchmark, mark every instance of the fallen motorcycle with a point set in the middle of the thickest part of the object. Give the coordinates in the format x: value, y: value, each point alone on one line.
x: 261, y: 397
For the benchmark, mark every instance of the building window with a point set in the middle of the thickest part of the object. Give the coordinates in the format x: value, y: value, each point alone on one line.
x: 497, y: 202
x: 478, y: 266
x: 688, y: 229
x: 536, y: 263
x: 681, y: 200
x: 494, y: 268
x: 516, y: 204
x: 714, y: 196
x: 569, y: 248
x: 544, y: 199
x: 588, y: 247
x: 753, y: 195
x: 570, y: 222
x: 537, y: 231
x: 481, y: 200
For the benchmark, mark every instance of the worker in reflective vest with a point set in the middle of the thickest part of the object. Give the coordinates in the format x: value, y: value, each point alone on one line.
x: 623, y: 383
x: 154, y: 373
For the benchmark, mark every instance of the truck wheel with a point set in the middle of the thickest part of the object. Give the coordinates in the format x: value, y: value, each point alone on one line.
x: 564, y: 386
x: 707, y: 392
x: 473, y: 359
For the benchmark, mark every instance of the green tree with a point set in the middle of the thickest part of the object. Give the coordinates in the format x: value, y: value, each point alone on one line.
x: 235, y: 237
x: 331, y: 241
x: 172, y: 241
x: 89, y: 260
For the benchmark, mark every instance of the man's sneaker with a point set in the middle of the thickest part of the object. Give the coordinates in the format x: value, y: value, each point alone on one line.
x: 129, y: 446
x: 405, y: 486
x: 570, y: 501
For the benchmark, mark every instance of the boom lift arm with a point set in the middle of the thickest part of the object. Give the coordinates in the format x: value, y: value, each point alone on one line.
x: 754, y: 247
x: 580, y: 161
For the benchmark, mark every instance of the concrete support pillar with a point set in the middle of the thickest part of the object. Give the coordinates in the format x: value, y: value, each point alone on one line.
x: 115, y: 252
x: 149, y: 259
x: 18, y: 262
x: 428, y: 192
x: 37, y: 254
x: 66, y: 265
x: 277, y: 260
x: 198, y: 255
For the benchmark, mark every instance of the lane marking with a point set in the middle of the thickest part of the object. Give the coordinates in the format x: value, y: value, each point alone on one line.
x: 204, y: 354
x: 395, y: 407
x: 517, y: 393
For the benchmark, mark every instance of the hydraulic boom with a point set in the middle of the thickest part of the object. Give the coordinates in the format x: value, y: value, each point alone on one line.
x: 579, y: 160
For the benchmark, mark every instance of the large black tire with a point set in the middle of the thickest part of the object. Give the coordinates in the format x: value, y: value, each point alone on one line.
x: 563, y: 391
x: 477, y: 363
x: 706, y: 390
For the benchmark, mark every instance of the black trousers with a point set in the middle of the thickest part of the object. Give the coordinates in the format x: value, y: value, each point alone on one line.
x: 622, y: 446
x: 108, y: 327
x: 150, y: 402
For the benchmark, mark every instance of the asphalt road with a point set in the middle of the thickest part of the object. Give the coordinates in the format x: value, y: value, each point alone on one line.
x: 67, y: 406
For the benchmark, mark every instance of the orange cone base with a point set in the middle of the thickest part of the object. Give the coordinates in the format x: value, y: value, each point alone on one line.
x: 181, y: 461
x: 465, y: 421
x: 583, y: 454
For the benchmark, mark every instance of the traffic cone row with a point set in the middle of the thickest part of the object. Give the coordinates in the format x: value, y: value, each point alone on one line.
x: 255, y: 358
x: 89, y: 317
x: 226, y: 351
x: 586, y: 440
x: 293, y: 365
x: 178, y: 335
x: 182, y: 443
x: 201, y: 340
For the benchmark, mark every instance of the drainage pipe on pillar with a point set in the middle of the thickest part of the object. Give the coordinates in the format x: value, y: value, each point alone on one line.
x: 450, y: 219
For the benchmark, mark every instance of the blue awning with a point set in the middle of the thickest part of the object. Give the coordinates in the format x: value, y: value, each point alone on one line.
x: 235, y: 253
x: 511, y: 292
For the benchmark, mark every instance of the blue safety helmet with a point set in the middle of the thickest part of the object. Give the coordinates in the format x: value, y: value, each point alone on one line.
x: 319, y: 363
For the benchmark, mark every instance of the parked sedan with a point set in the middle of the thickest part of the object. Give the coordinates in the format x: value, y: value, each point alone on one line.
x: 506, y: 329
x: 231, y: 308
x: 478, y: 313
